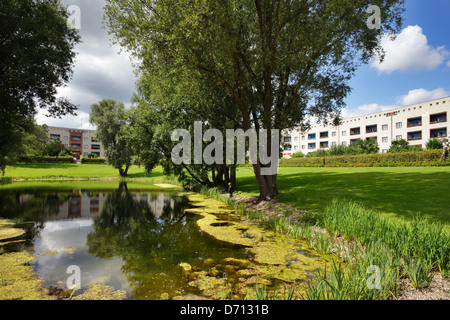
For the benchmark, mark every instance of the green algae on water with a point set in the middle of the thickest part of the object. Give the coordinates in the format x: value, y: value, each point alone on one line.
x: 277, y: 259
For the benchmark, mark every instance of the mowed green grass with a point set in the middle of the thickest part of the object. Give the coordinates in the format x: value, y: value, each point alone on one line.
x: 69, y: 170
x: 396, y: 192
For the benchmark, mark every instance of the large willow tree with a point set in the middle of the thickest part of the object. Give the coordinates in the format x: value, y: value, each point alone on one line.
x: 281, y: 61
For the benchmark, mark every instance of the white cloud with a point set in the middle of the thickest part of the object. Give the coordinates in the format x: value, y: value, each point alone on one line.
x: 421, y: 95
x: 365, y: 109
x: 410, y: 51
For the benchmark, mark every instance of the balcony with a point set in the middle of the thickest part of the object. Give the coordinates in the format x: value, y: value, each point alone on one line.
x: 75, y: 138
x: 324, y: 135
x: 95, y: 147
x: 355, y: 131
x: 324, y: 144
x: 75, y: 146
x: 311, y: 145
x: 412, y: 136
x: 438, y: 118
x: 415, y: 122
x: 311, y: 136
x: 371, y: 129
x: 438, y: 133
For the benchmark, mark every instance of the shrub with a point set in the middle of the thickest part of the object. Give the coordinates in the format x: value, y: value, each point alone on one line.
x: 406, y: 159
x: 67, y: 159
x: 93, y: 161
x: 434, y: 143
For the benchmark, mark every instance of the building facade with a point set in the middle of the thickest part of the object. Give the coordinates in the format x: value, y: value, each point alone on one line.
x: 80, y: 140
x: 416, y: 123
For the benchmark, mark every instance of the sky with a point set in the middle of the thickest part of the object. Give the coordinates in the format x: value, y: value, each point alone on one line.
x: 416, y: 66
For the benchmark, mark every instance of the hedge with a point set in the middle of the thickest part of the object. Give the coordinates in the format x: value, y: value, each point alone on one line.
x: 68, y: 159
x: 93, y: 161
x: 406, y: 159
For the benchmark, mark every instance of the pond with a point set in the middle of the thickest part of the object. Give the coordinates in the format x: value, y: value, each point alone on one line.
x: 146, y: 243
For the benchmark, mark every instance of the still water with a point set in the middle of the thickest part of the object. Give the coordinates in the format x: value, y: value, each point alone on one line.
x: 133, y: 241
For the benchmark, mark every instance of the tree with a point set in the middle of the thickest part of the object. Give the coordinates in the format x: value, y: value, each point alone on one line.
x: 280, y: 61
x: 110, y: 117
x: 398, y: 146
x: 36, y: 57
x: 53, y: 148
x: 434, y: 143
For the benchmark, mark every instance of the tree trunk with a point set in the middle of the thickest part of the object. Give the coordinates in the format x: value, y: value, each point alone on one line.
x: 266, y: 184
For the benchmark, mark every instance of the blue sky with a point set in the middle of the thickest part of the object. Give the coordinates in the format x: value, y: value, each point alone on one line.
x: 417, y: 66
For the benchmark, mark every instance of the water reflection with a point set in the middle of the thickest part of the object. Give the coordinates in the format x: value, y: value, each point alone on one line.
x: 133, y: 241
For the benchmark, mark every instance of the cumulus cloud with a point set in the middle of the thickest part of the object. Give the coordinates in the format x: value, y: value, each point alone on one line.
x: 409, y: 51
x: 422, y: 95
x: 365, y: 109
x: 100, y: 71
x: 412, y: 97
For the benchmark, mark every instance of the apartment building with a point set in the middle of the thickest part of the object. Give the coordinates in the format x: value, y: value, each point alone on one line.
x: 82, y: 141
x: 416, y: 123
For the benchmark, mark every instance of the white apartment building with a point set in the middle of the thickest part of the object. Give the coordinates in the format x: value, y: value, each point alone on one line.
x: 416, y: 123
x: 82, y: 141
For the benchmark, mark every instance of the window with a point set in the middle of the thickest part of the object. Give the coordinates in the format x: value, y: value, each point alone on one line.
x: 355, y: 131
x: 344, y: 133
x: 86, y: 139
x: 296, y: 139
x: 324, y: 144
x: 417, y: 135
x: 385, y: 127
x: 333, y: 144
x: 399, y: 137
x: 66, y: 138
x: 385, y: 139
x: 437, y: 118
x: 295, y: 148
x: 415, y: 122
x: 55, y: 136
x: 303, y: 137
x: 85, y: 146
x: 398, y: 125
x: 438, y: 133
x: 371, y: 129
x: 344, y: 143
x: 333, y: 134
x: 324, y: 135
x: 303, y: 146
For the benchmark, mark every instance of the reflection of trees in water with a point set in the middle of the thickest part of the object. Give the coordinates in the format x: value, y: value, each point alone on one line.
x: 35, y: 206
x: 151, y: 247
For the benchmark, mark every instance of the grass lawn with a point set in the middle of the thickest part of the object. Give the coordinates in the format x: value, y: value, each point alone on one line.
x: 396, y: 191
x: 69, y: 170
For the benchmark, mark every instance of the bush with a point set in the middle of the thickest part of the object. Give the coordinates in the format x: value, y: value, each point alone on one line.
x: 92, y: 156
x: 434, y: 144
x: 67, y: 159
x: 93, y: 161
x: 405, y: 159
